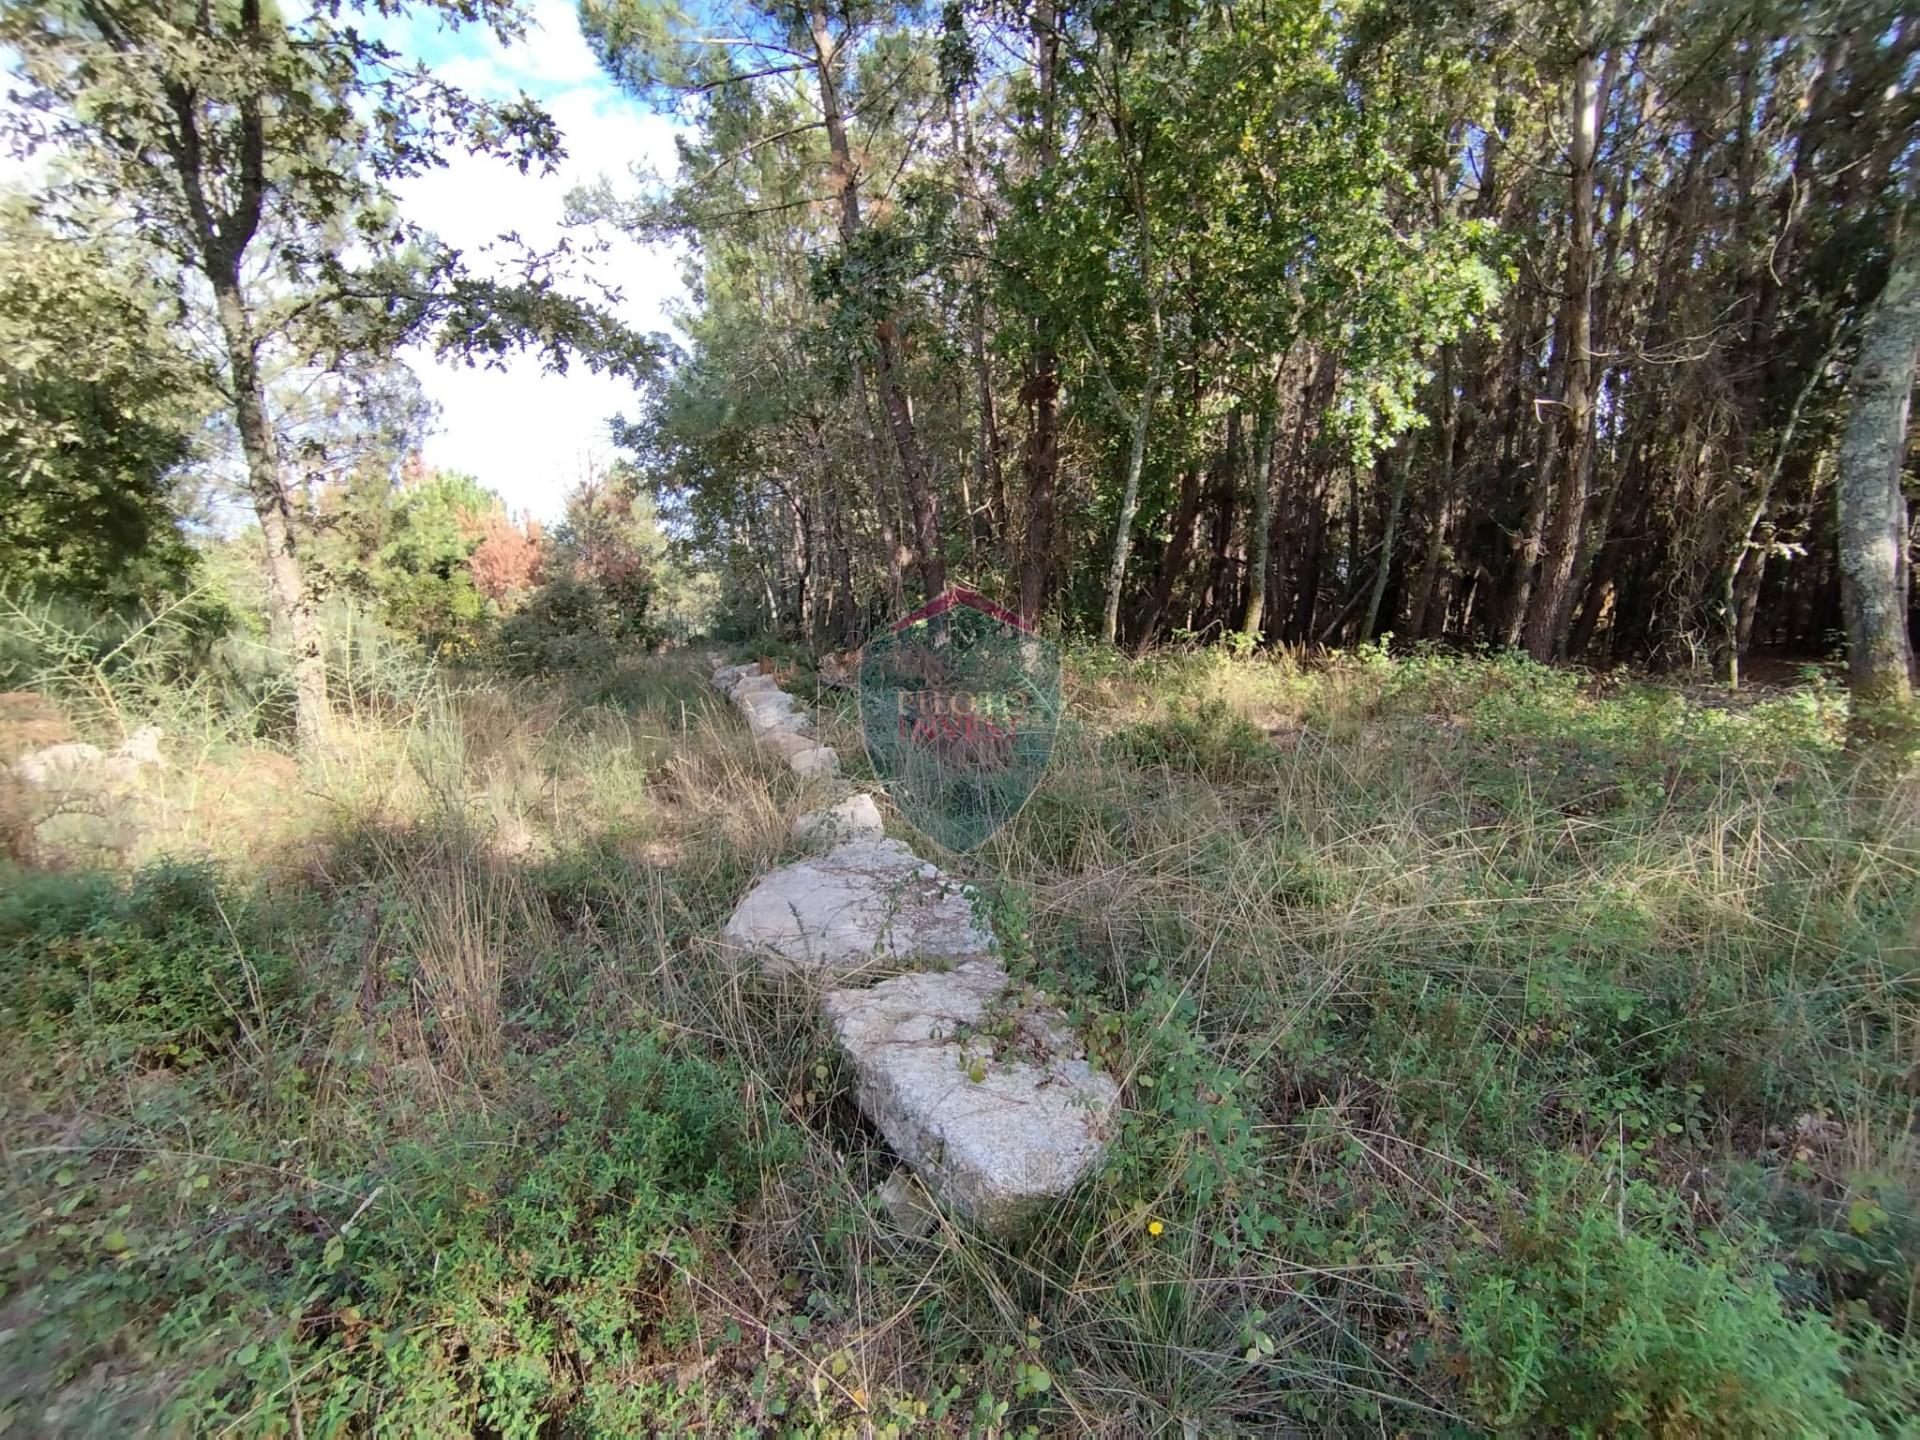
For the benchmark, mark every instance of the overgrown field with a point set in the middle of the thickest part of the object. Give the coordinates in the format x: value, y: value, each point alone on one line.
x: 1504, y: 1050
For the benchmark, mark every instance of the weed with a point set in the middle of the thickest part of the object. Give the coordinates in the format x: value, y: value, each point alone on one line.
x: 1500, y: 1048
x: 1584, y: 1322
x: 155, y: 972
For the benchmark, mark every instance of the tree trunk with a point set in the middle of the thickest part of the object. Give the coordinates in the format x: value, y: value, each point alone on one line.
x: 882, y: 506
x: 1397, y: 465
x: 921, y: 500
x: 1306, y: 599
x: 1429, y: 575
x: 1260, y: 524
x: 1223, y: 497
x: 1740, y: 546
x: 991, y: 504
x: 1129, y: 498
x: 1174, y: 563
x: 1040, y: 467
x: 839, y: 556
x: 1871, y: 508
x: 1546, y: 614
x: 1040, y: 390
x: 296, y: 620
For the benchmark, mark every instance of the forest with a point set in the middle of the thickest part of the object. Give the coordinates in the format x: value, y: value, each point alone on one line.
x: 1450, y: 463
x: 1503, y: 325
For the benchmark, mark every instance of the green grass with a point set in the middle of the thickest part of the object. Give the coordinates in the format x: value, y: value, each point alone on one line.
x: 1501, y: 1049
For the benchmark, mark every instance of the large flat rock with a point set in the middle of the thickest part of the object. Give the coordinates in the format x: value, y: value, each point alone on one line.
x: 753, y: 684
x: 984, y: 1093
x: 784, y: 743
x: 861, y: 905
x: 854, y: 818
x: 767, y: 710
x: 820, y: 762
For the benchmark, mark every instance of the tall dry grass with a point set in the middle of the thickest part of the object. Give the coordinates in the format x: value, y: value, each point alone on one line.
x: 1362, y: 943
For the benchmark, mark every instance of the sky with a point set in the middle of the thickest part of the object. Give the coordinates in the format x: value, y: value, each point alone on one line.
x: 521, y: 432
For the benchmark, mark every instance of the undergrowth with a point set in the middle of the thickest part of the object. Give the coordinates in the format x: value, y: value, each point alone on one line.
x: 1502, y: 1050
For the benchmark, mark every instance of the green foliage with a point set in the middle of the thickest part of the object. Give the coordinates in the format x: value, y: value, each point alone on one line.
x: 567, y: 625
x: 1364, y: 1002
x: 1203, y: 737
x: 422, y: 570
x: 199, y: 666
x: 165, y: 970
x: 121, y: 663
x: 100, y: 407
x: 610, y: 565
x: 125, y: 86
x: 552, y: 1268
x: 1583, y: 1324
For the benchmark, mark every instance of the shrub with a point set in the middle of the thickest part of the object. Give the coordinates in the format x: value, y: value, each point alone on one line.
x: 1205, y: 737
x: 153, y: 971
x: 1583, y: 1323
x: 548, y: 1266
x: 571, y: 625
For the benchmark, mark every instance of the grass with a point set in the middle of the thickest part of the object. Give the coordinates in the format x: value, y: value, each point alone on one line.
x: 1502, y: 1050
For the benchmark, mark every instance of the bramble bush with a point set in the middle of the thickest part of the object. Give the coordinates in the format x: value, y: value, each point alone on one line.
x: 570, y: 625
x: 160, y: 970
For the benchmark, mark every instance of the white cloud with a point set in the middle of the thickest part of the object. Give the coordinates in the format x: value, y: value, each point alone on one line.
x: 520, y: 431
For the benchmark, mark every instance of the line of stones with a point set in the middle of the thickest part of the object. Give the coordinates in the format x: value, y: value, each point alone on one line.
x: 975, y: 1081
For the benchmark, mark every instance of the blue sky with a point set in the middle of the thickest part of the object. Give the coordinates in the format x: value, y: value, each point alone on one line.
x: 523, y: 433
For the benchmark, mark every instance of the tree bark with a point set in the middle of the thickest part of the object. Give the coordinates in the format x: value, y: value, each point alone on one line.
x: 991, y: 506
x: 1740, y: 546
x: 1547, y: 610
x: 1442, y: 521
x: 882, y: 505
x: 1173, y: 564
x: 1040, y: 468
x: 1129, y: 499
x: 1224, y: 500
x: 1871, y: 509
x: 1040, y: 390
x: 1260, y: 523
x: 221, y: 237
x: 1142, y: 416
x: 1396, y: 464
x: 295, y: 616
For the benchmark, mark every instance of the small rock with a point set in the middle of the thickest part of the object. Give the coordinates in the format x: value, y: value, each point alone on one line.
x: 855, y: 818
x: 863, y: 903
x: 907, y: 1205
x: 814, y: 762
x: 56, y: 762
x: 142, y: 747
x: 996, y: 1136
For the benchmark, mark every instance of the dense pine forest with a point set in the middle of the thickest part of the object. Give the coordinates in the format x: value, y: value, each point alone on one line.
x: 1395, y: 522
x: 1519, y: 325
